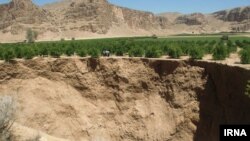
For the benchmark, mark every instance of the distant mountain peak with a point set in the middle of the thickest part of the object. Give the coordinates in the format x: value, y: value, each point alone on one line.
x: 73, y: 18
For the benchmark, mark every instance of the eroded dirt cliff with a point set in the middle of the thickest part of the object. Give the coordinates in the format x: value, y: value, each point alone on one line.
x: 125, y: 99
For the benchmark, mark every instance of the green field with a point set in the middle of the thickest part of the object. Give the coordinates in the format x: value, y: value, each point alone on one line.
x: 151, y: 47
x: 203, y: 38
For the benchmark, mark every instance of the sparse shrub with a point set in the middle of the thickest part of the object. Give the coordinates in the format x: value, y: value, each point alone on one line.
x: 119, y: 51
x: 153, y: 53
x: 69, y: 51
x: 175, y: 52
x: 220, y: 52
x: 208, y: 49
x: 232, y: 49
x: 18, y: 52
x: 8, y: 55
x: 245, y: 56
x: 43, y: 51
x: 94, y: 53
x: 185, y: 49
x: 212, y: 43
x: 229, y: 43
x: 28, y: 53
x: 245, y: 41
x: 224, y: 37
x: 196, y: 53
x: 165, y: 49
x: 1, y: 54
x: 81, y: 52
x: 239, y: 43
x: 55, y: 52
x: 31, y: 35
x: 154, y: 36
x: 136, y: 52
x: 231, y: 46
x: 7, y: 111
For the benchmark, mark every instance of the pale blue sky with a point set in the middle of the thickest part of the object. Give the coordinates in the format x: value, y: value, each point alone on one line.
x: 182, y: 6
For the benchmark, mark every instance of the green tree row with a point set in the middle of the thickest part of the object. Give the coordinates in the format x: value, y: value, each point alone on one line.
x: 134, y: 47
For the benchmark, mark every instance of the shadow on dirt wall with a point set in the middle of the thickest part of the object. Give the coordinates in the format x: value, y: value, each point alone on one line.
x: 223, y: 101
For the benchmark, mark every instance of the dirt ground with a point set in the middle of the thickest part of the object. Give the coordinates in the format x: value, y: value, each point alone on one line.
x: 119, y: 99
x: 91, y: 100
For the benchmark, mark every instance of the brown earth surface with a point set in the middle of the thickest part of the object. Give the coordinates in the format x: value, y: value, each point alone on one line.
x: 124, y: 99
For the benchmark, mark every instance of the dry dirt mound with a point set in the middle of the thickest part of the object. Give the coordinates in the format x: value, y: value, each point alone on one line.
x: 113, y: 99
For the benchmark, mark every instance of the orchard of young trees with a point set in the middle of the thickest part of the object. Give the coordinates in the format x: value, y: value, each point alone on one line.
x: 133, y: 47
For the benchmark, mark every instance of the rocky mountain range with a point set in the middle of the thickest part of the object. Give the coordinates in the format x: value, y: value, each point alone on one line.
x: 99, y: 18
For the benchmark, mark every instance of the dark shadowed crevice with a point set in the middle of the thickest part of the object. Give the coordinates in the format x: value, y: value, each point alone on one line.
x: 162, y: 67
x: 207, y: 109
x: 224, y: 101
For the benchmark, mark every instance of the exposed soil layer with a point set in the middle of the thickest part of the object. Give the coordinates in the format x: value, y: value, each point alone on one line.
x: 124, y: 99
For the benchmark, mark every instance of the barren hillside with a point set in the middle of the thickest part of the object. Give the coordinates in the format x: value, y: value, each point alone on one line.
x: 99, y: 18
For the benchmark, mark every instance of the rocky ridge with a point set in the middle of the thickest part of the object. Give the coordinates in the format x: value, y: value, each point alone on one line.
x: 78, y: 18
x: 191, y: 19
x: 98, y: 16
x: 21, y: 12
x: 234, y: 15
x: 239, y: 16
